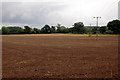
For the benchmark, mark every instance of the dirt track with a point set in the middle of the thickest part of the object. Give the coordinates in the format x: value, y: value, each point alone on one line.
x: 59, y: 56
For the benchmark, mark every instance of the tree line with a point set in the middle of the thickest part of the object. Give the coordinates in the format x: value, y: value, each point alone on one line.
x: 113, y: 27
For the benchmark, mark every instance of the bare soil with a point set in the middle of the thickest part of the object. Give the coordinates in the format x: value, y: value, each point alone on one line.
x: 59, y: 56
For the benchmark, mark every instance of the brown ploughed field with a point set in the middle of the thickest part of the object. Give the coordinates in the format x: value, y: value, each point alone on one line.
x: 59, y: 56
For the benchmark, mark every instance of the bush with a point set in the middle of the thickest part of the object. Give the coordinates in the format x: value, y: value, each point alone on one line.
x: 109, y: 32
x: 5, y: 30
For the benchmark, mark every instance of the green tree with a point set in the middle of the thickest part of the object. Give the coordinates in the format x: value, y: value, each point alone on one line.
x: 109, y: 32
x: 88, y: 30
x: 70, y: 30
x: 36, y: 31
x: 15, y: 30
x: 52, y: 29
x: 28, y: 30
x: 59, y: 29
x: 103, y: 29
x: 114, y: 26
x: 64, y: 29
x: 94, y: 29
x: 5, y: 30
x: 0, y: 31
x: 78, y: 28
x: 46, y: 29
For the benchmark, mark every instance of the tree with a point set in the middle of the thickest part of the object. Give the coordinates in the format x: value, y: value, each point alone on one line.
x: 70, y: 30
x: 103, y: 29
x: 94, y: 29
x: 52, y: 29
x: 88, y: 30
x: 109, y: 32
x: 114, y: 26
x: 15, y: 30
x: 64, y: 29
x: 0, y: 31
x: 28, y: 30
x: 59, y: 29
x: 5, y: 30
x: 36, y: 31
x: 46, y: 29
x: 78, y: 28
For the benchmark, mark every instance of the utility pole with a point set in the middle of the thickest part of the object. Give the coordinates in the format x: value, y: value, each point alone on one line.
x: 97, y: 26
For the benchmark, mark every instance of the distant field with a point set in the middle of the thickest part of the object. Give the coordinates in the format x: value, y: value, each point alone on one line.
x: 59, y: 56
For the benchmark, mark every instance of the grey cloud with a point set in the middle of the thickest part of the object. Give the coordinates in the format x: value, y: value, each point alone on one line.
x: 31, y: 13
x: 51, y: 12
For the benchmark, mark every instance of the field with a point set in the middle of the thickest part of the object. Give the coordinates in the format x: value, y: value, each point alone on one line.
x: 59, y: 56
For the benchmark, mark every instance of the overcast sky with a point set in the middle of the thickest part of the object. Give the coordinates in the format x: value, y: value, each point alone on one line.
x: 37, y: 13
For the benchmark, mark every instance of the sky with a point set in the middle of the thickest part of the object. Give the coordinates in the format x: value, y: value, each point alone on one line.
x: 119, y: 10
x: 37, y: 13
